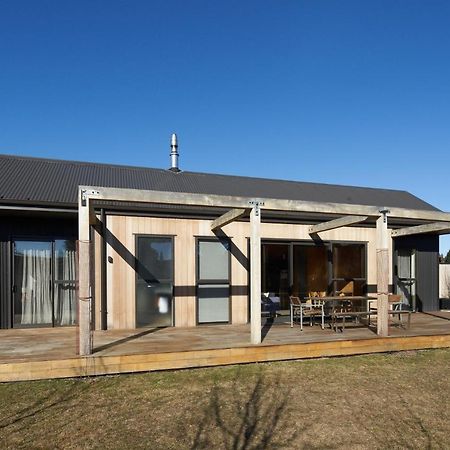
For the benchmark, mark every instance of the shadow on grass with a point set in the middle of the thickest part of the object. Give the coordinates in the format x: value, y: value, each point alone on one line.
x: 51, y: 400
x: 248, y: 420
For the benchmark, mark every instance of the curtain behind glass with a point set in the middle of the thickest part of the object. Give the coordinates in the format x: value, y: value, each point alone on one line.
x: 65, y: 298
x: 35, y: 289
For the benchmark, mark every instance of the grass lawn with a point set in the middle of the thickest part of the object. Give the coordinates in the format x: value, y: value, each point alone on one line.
x: 399, y: 400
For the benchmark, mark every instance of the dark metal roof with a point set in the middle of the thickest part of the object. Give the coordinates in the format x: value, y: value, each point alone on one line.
x: 38, y: 181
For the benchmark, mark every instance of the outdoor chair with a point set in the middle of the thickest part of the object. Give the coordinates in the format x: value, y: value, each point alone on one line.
x: 394, y: 304
x: 309, y: 308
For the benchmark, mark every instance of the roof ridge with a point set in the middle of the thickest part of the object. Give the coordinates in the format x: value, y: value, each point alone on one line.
x: 77, y: 162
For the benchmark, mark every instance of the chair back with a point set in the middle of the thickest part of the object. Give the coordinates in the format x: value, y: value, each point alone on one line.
x: 347, y: 290
x: 295, y: 301
x: 394, y: 298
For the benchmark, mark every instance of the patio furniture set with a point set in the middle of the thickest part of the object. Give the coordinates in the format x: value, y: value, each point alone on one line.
x: 340, y: 309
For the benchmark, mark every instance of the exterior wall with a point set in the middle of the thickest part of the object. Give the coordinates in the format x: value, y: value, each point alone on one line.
x: 427, y: 268
x: 444, y: 281
x: 121, y: 234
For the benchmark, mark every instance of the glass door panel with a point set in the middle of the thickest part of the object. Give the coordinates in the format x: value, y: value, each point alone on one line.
x: 33, y: 303
x: 154, y: 281
x: 406, y: 277
x: 349, y: 269
x: 310, y: 270
x: 64, y: 283
x: 275, y: 273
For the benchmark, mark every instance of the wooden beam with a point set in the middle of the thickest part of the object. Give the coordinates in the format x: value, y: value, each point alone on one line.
x: 226, y: 201
x: 336, y: 223
x: 228, y: 217
x: 85, y: 344
x: 436, y: 227
x: 382, y: 276
x: 255, y: 275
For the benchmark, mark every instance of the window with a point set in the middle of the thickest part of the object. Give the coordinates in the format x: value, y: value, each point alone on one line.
x: 349, y: 268
x: 213, y: 281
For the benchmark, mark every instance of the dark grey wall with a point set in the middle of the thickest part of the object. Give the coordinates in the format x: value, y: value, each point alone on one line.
x: 427, y: 268
x: 26, y: 226
x: 5, y: 285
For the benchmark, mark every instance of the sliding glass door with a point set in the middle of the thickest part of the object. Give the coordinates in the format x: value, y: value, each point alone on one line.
x: 44, y: 283
x: 300, y: 268
x: 310, y: 270
x: 154, y: 281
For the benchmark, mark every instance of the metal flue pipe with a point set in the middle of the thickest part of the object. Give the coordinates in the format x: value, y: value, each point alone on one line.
x: 174, y: 153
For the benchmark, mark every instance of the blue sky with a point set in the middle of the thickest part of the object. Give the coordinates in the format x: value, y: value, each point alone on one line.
x: 345, y: 92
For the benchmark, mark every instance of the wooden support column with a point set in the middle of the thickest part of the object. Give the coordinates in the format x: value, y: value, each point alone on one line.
x: 382, y: 275
x: 255, y: 273
x: 85, y: 343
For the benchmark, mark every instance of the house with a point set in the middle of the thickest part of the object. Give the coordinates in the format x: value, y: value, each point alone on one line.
x: 175, y: 248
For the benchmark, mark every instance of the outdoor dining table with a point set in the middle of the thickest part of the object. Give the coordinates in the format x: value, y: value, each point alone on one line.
x: 341, y: 298
x: 334, y: 303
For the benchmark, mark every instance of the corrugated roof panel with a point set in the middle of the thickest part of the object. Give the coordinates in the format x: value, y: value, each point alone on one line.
x: 39, y: 181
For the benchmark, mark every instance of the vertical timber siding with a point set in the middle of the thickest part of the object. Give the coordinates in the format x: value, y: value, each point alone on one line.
x: 427, y: 268
x: 121, y: 234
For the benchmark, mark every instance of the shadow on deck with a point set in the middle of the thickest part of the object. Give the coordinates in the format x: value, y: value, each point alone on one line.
x: 51, y: 353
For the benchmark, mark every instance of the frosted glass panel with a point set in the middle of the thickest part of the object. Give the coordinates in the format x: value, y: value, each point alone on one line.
x: 154, y: 281
x: 213, y: 260
x: 213, y: 301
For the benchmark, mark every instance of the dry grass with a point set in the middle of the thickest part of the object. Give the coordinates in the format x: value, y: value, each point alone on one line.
x: 383, y: 401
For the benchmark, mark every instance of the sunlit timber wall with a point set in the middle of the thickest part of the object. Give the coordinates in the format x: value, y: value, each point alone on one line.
x: 121, y: 276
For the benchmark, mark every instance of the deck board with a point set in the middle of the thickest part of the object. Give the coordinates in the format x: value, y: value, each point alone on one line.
x: 51, y: 353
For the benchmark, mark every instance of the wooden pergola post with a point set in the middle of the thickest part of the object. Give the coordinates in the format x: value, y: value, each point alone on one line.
x: 85, y: 344
x: 255, y: 273
x: 382, y: 275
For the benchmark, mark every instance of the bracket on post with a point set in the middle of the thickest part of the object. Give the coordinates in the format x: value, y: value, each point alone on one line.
x: 256, y: 204
x: 384, y: 212
x: 85, y: 193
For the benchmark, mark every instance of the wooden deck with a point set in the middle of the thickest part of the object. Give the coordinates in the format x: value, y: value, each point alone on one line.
x: 30, y: 354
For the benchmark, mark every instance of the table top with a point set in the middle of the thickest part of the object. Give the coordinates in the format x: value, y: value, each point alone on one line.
x: 332, y: 298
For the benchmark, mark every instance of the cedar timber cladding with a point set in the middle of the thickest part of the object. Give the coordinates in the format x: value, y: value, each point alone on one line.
x: 121, y: 276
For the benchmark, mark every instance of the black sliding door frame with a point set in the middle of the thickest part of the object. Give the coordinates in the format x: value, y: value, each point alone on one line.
x: 170, y: 237
x: 199, y: 282
x: 329, y: 246
x: 52, y: 281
